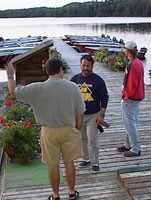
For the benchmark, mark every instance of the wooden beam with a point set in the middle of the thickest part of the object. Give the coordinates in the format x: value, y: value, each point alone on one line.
x: 124, y: 185
x: 133, y: 172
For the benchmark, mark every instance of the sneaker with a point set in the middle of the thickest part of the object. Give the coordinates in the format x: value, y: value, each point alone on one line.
x: 95, y: 168
x: 122, y: 149
x: 131, y: 154
x: 84, y: 163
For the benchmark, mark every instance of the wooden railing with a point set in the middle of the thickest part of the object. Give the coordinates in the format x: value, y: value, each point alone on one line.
x: 1, y: 171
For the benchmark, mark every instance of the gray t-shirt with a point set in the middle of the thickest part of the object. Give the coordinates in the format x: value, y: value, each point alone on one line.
x: 55, y: 102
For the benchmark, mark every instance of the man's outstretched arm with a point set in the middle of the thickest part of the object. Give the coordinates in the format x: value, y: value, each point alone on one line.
x: 10, y: 70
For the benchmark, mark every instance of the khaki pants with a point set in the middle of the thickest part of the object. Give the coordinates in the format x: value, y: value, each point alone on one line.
x: 89, y: 135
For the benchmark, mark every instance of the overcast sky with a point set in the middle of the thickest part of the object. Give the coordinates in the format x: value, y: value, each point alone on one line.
x: 16, y: 4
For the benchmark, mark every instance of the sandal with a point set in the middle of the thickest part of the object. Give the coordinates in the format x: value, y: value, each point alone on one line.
x: 52, y: 198
x: 74, y: 196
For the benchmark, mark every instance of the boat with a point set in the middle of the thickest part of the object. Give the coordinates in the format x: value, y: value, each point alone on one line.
x: 10, y: 48
x: 83, y: 47
x: 91, y: 44
x: 23, y: 40
x: 90, y: 38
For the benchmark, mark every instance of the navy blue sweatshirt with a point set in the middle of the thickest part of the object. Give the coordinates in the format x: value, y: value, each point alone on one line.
x: 93, y: 90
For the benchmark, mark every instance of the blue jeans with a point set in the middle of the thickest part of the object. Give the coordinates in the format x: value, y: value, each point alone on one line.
x: 130, y: 110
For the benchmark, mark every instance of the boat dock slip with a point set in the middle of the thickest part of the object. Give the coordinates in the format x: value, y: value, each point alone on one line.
x: 104, y: 185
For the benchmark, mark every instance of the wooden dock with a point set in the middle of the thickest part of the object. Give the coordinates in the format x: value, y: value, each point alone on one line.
x: 104, y: 185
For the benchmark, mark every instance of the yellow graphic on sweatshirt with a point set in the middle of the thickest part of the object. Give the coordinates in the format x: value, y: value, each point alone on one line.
x: 86, y: 92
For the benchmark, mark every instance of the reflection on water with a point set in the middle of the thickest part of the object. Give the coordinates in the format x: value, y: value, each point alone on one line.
x: 142, y: 28
x: 126, y: 28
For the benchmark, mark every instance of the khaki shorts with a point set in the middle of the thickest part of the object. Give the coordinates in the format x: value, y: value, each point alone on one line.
x: 65, y: 140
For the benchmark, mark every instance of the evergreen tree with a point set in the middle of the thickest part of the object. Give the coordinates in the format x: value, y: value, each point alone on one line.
x: 106, y: 8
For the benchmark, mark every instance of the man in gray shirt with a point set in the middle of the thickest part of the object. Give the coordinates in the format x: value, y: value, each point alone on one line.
x: 58, y: 106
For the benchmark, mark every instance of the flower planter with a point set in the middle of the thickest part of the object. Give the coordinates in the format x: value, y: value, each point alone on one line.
x: 18, y: 136
x: 10, y: 152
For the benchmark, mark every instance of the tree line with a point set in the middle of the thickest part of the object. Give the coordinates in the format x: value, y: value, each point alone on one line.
x: 107, y: 8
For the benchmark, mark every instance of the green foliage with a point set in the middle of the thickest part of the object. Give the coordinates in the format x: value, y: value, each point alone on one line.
x: 110, y: 61
x: 17, y: 113
x: 116, y: 62
x: 120, y: 61
x: 54, y: 54
x: 23, y: 139
x: 107, y: 8
x: 101, y: 55
x: 19, y: 131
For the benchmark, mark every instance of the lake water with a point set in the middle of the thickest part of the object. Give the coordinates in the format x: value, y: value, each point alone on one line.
x: 126, y: 28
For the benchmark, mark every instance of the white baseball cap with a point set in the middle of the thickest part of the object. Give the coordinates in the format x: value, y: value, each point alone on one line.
x: 131, y: 45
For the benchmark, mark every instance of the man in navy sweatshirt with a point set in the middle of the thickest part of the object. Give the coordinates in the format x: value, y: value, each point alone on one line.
x: 94, y: 92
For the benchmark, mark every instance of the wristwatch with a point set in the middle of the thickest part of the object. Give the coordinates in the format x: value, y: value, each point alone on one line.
x: 10, y: 76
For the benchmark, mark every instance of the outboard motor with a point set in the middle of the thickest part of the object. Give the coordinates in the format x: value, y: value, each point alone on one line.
x: 103, y: 36
x: 114, y: 39
x: 108, y: 37
x: 143, y: 49
x: 1, y: 39
x: 121, y: 41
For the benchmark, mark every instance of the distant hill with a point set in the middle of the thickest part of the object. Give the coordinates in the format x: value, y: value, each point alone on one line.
x: 72, y: 4
x: 106, y: 8
x: 77, y: 3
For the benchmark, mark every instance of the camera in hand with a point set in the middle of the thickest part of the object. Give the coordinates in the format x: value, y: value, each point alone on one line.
x: 100, y: 129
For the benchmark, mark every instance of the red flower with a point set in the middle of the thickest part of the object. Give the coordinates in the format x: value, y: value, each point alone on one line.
x: 9, y: 124
x: 2, y: 120
x: 8, y: 102
x: 27, y: 124
x: 30, y: 124
x: 22, y: 81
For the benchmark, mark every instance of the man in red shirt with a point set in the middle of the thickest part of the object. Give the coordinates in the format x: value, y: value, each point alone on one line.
x: 132, y: 94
